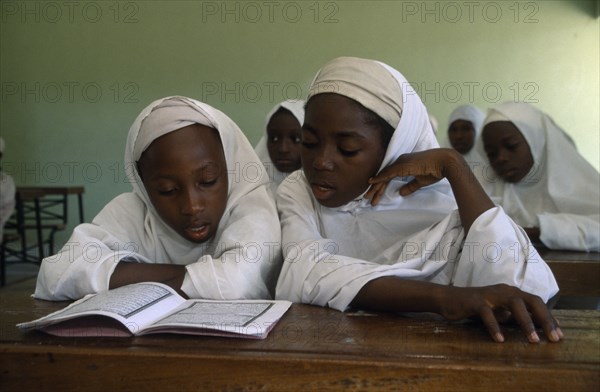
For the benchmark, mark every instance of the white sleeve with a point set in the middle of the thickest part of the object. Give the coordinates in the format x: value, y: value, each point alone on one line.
x: 497, y: 250
x: 84, y: 265
x: 247, y: 257
x: 570, y: 231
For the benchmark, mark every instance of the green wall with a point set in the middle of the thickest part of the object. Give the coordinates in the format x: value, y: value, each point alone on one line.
x: 74, y: 74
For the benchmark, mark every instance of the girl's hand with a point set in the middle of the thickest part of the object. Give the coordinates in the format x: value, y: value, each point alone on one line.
x: 496, y: 304
x: 427, y: 167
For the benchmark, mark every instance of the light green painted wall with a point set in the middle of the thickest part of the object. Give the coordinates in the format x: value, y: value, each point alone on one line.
x: 75, y: 74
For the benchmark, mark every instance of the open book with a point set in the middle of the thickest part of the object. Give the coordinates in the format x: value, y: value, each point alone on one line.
x: 148, y: 307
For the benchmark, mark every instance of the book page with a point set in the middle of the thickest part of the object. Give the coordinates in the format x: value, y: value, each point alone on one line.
x: 134, y: 306
x: 211, y: 314
x: 251, y: 318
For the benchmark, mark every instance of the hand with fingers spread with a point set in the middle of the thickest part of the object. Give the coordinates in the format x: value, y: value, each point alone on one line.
x: 496, y: 304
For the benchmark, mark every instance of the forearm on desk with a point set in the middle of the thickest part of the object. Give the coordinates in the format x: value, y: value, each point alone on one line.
x: 127, y: 273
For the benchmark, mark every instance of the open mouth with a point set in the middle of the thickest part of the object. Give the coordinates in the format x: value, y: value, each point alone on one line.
x: 322, y: 191
x: 198, y: 232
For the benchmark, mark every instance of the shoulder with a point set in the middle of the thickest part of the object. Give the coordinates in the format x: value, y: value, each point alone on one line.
x: 125, y: 207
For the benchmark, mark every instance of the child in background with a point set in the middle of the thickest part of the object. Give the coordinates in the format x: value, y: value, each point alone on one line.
x: 279, y: 149
x: 409, y: 252
x: 464, y: 130
x: 192, y: 221
x: 544, y: 184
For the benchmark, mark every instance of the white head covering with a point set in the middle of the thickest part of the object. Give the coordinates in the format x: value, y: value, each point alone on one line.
x: 560, y: 181
x: 383, y: 90
x: 296, y: 107
x: 468, y: 113
x: 331, y: 253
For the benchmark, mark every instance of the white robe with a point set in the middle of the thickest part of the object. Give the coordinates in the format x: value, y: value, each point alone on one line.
x: 296, y: 107
x: 241, y: 261
x: 331, y: 253
x: 561, y: 193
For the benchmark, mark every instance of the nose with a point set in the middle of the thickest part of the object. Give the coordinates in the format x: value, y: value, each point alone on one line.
x: 191, y: 202
x: 502, y: 156
x: 285, y: 146
x: 323, y: 160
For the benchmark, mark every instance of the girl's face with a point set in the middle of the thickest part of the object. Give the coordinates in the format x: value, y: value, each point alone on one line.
x: 284, y: 138
x: 507, y: 150
x: 461, y: 135
x: 340, y: 151
x: 185, y: 175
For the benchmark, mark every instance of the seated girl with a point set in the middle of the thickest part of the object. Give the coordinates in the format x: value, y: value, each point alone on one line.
x: 351, y: 241
x: 464, y: 130
x: 543, y: 183
x: 192, y: 221
x: 279, y: 149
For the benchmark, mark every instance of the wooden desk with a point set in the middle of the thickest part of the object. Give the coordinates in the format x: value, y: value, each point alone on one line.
x: 311, y: 348
x: 577, y: 273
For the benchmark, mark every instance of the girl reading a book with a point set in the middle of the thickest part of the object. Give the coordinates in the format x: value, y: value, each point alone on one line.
x: 195, y: 220
x: 373, y: 221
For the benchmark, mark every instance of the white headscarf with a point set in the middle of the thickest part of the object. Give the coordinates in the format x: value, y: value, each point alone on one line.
x: 241, y: 261
x: 331, y: 253
x: 296, y: 107
x: 477, y: 162
x: 561, y: 192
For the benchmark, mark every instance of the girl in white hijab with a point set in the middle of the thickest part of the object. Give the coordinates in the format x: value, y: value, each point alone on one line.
x: 279, y: 148
x: 464, y: 130
x: 200, y: 217
x: 543, y: 183
x: 398, y: 252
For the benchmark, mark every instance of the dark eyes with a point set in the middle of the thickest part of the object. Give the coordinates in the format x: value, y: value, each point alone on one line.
x: 166, y: 192
x: 172, y: 191
x: 508, y: 146
x: 295, y: 139
x: 348, y: 153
